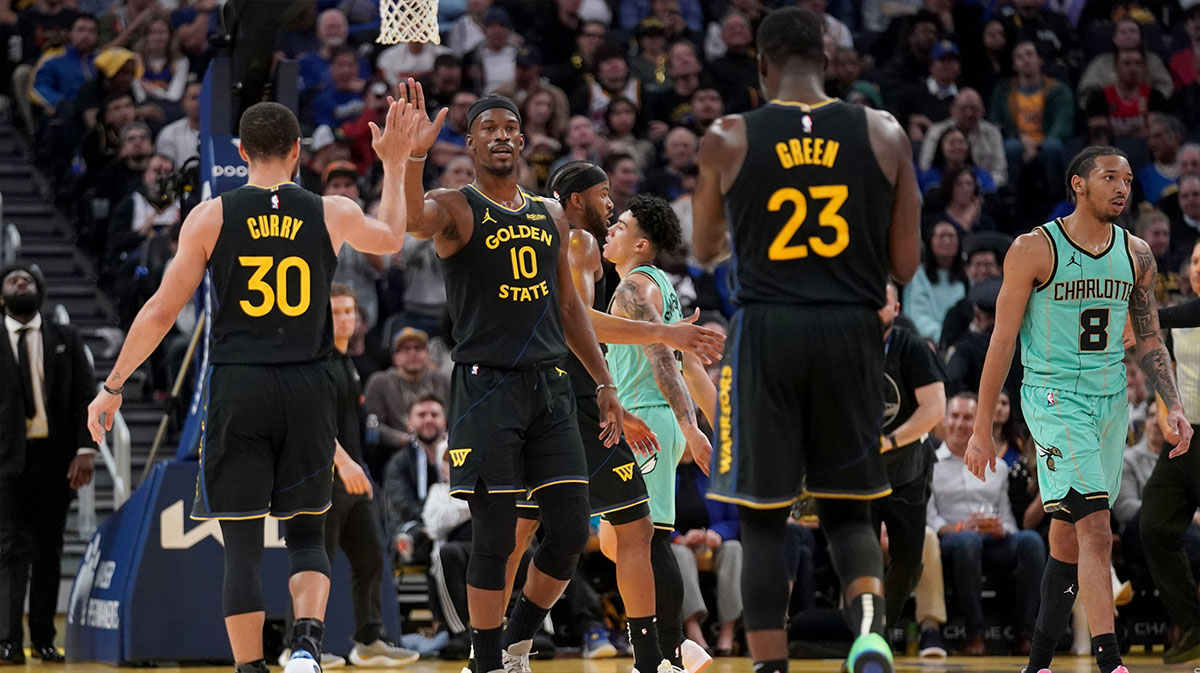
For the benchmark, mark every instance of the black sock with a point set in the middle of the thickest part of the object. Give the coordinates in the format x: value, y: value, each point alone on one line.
x: 668, y: 596
x: 772, y: 666
x: 1107, y: 651
x: 669, y: 640
x: 524, y: 621
x: 257, y: 666
x: 865, y: 614
x: 643, y: 635
x: 487, y: 649
x: 1059, y: 589
x: 307, y: 635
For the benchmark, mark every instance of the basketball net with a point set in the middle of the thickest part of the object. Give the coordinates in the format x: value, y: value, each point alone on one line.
x: 408, y: 21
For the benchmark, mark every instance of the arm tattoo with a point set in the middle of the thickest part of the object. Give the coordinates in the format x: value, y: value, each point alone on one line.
x: 1142, y: 307
x: 1157, y: 366
x: 662, y: 359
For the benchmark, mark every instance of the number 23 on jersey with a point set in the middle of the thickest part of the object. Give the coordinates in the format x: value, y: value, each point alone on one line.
x: 786, y: 246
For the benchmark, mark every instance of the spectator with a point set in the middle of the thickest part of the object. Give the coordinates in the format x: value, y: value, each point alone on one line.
x: 583, y: 144
x: 1154, y: 227
x: 1008, y: 440
x: 912, y: 64
x: 671, y: 107
x: 556, y: 31
x: 706, y: 533
x: 965, y: 357
x: 117, y: 71
x: 59, y: 78
x: 119, y: 178
x: 915, y: 403
x: 1127, y: 102
x: 707, y: 107
x: 360, y: 271
x: 342, y: 98
x: 953, y: 152
x: 939, y: 283
x: 985, y: 259
x: 447, y: 521
x: 424, y: 285
x: 578, y: 70
x: 441, y: 85
x: 166, y: 68
x: 1189, y: 164
x: 1101, y: 71
x: 180, y: 140
x: 1185, y: 226
x: 612, y: 80
x: 459, y: 173
x: 44, y: 25
x: 145, y: 213
x: 528, y: 79
x: 194, y: 25
x: 1183, y: 62
x: 1036, y: 114
x: 46, y: 454
x: 102, y: 143
x: 468, y: 30
x: 544, y: 128
x: 978, y: 532
x: 667, y: 182
x: 678, y: 17
x: 452, y: 139
x: 1165, y: 138
x: 1187, y: 101
x: 325, y: 146
x: 1139, y: 462
x: 357, y: 131
x: 964, y: 202
x: 493, y: 61
x: 996, y: 63
x: 622, y: 127
x: 845, y: 71
x: 649, y: 64
x: 622, y: 178
x: 409, y: 474
x: 126, y: 22
x: 987, y: 144
x: 391, y: 393
x: 408, y: 59
x: 316, y: 69
x: 928, y: 101
x: 1051, y: 31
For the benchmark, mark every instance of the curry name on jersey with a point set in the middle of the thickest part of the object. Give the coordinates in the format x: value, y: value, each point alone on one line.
x: 1071, y: 331
x: 501, y: 287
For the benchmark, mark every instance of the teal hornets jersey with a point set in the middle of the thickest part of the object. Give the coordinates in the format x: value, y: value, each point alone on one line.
x: 1071, y: 332
x: 628, y: 364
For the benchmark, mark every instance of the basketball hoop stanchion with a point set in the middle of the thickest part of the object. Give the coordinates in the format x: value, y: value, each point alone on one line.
x: 408, y: 21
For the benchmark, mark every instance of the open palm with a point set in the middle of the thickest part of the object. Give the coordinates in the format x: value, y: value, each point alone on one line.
x: 427, y: 131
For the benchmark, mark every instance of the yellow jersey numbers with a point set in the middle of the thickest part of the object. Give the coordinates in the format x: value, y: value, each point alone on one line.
x: 784, y: 246
x: 276, y: 295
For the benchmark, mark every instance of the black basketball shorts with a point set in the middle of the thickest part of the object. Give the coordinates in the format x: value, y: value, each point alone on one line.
x: 267, y: 441
x: 512, y: 430
x: 800, y: 406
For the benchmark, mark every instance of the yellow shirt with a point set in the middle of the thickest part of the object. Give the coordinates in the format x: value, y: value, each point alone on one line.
x: 1030, y: 108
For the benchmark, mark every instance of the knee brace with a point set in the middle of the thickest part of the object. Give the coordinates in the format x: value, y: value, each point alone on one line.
x: 305, y: 536
x: 565, y: 514
x: 241, y: 591
x: 493, y: 536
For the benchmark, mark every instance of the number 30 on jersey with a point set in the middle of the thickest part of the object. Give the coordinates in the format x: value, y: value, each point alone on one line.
x: 785, y: 247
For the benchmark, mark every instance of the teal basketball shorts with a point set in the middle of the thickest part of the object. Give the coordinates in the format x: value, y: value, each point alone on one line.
x: 1080, y: 442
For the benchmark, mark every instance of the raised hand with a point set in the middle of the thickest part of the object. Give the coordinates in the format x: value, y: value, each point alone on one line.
x: 393, y: 143
x: 427, y: 131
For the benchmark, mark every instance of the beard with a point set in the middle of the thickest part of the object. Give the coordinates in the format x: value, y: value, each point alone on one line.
x: 501, y: 171
x: 429, y: 438
x: 22, y: 304
x: 594, y: 221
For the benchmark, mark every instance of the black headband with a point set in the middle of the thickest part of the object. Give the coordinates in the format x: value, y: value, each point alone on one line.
x: 580, y: 182
x: 490, y: 103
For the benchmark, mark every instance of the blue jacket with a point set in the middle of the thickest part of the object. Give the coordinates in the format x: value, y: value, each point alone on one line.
x: 61, y: 76
x: 722, y: 516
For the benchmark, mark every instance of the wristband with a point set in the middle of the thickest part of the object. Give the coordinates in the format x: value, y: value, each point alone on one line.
x: 110, y: 391
x: 420, y: 158
x: 602, y: 386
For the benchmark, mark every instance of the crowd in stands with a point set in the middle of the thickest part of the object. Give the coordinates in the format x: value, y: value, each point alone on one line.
x: 995, y: 95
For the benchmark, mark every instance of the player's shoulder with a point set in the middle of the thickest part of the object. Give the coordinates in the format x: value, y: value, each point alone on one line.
x: 447, y: 197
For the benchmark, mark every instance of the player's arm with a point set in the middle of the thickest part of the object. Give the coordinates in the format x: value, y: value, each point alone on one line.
x: 701, y: 387
x: 584, y: 254
x: 893, y: 151
x: 581, y: 339
x: 931, y: 409
x: 1156, y: 362
x: 722, y: 147
x: 197, y: 237
x: 1027, y: 264
x: 638, y: 298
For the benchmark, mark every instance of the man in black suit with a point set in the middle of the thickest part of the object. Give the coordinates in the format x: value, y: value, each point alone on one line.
x: 45, y: 454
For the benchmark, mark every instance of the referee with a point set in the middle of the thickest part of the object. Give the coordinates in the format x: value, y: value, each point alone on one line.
x: 915, y: 402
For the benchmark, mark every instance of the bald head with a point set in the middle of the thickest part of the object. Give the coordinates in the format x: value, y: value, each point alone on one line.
x: 967, y: 110
x: 332, y: 28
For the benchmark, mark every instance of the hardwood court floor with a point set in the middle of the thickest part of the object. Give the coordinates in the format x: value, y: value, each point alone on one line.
x: 1062, y: 664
